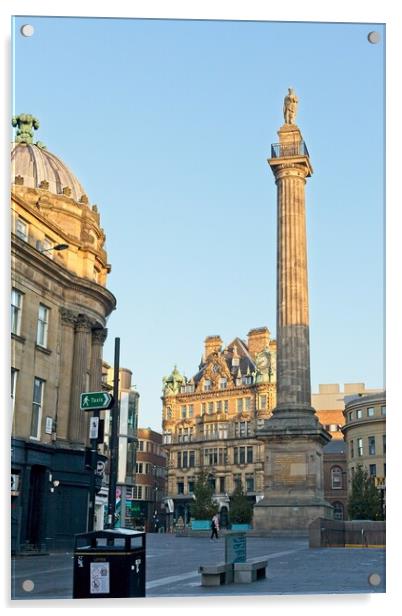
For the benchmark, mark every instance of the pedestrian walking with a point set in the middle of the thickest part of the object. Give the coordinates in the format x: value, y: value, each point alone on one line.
x: 215, y: 526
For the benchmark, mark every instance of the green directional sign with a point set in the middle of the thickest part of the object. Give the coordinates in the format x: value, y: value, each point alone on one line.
x: 95, y: 400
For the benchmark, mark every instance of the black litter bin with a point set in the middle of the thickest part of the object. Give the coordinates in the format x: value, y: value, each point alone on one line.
x: 109, y: 564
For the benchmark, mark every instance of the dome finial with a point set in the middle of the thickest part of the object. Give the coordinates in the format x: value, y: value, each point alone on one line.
x: 26, y: 123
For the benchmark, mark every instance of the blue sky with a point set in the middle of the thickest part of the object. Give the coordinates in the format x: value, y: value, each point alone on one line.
x: 168, y: 125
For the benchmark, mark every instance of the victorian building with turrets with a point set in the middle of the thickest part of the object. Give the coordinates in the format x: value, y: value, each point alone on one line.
x: 210, y: 421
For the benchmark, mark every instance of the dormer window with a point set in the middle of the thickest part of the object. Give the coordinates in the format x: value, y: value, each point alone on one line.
x: 247, y: 380
x: 207, y: 385
x: 223, y: 383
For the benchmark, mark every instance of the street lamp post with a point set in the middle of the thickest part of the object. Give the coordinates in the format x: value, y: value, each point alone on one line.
x: 57, y: 247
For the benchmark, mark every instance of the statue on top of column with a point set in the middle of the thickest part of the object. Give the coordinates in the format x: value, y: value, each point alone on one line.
x: 290, y: 106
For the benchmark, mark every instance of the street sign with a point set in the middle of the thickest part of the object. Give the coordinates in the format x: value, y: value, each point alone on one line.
x: 95, y: 400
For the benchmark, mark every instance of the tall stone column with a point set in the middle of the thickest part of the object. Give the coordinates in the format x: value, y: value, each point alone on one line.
x: 77, y: 431
x: 293, y: 482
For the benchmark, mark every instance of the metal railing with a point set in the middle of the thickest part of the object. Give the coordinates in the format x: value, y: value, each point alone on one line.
x: 280, y: 150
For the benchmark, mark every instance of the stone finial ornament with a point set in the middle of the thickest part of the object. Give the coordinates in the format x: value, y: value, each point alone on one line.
x: 26, y: 124
x: 290, y: 106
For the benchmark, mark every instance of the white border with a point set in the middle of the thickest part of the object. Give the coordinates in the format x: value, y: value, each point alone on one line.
x: 387, y: 11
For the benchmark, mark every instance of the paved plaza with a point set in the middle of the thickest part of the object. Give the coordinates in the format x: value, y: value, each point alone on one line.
x: 172, y: 569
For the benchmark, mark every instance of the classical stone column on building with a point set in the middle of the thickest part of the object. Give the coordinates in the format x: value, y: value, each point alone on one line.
x: 77, y: 432
x: 294, y: 486
x: 67, y: 320
x: 99, y: 335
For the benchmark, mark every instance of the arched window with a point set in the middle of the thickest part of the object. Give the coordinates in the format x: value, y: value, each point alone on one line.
x: 336, y: 478
x: 338, y: 511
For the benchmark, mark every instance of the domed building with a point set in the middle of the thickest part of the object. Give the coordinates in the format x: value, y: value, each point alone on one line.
x: 59, y: 310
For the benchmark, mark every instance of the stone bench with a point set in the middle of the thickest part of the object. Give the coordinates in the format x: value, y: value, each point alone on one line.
x: 250, y: 571
x: 215, y: 575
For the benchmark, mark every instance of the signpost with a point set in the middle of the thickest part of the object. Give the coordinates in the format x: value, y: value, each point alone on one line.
x: 96, y: 401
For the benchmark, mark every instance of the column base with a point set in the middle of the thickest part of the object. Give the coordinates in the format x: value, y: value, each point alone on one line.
x: 288, y: 516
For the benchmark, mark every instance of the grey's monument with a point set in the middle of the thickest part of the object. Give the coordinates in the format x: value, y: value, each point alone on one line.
x: 293, y: 436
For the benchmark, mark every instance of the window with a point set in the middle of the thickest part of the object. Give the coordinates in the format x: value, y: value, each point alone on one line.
x: 352, y: 450
x: 239, y: 405
x: 141, y: 445
x: 249, y: 482
x: 41, y: 332
x: 21, y: 229
x: 179, y: 459
x: 223, y: 383
x: 183, y: 412
x: 167, y: 438
x: 16, y: 309
x: 241, y: 428
x: 191, y: 461
x: 221, y: 485
x: 248, y: 404
x: 185, y: 459
x: 350, y: 416
x: 372, y: 470
x: 137, y: 492
x: 207, y: 385
x: 333, y: 427
x: 223, y: 430
x: 359, y: 413
x: 384, y: 444
x: 14, y: 374
x: 203, y: 408
x: 190, y: 410
x: 191, y: 482
x: 370, y: 411
x: 47, y: 245
x: 263, y: 403
x: 139, y: 468
x: 180, y: 486
x: 237, y: 480
x: 336, y: 478
x: 226, y: 405
x: 37, y: 407
x: 219, y: 406
x: 371, y: 445
x: 359, y: 447
x: 383, y: 410
x: 249, y: 455
x: 338, y: 511
x: 210, y: 408
x: 247, y: 380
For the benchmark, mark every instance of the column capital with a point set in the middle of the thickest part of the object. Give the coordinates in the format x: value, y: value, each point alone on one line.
x: 83, y: 323
x: 99, y: 335
x: 68, y: 317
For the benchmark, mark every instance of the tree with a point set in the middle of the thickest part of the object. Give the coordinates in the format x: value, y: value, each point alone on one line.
x: 241, y: 510
x: 364, y: 502
x: 204, y: 507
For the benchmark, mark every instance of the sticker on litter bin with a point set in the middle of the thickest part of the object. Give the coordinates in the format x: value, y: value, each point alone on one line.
x: 99, y: 578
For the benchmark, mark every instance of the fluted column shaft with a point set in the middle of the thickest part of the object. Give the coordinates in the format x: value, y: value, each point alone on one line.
x: 79, y: 381
x: 293, y: 345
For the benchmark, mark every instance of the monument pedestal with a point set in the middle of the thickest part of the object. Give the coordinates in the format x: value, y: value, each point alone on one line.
x: 294, y: 485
